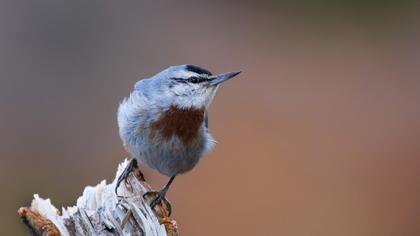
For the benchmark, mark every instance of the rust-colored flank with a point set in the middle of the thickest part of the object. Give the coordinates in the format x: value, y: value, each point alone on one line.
x: 182, y: 122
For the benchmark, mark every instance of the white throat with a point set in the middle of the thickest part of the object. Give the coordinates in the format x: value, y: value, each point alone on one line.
x: 197, y: 96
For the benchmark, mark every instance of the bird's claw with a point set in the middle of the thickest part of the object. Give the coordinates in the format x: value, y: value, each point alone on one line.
x: 128, y: 169
x: 158, y: 198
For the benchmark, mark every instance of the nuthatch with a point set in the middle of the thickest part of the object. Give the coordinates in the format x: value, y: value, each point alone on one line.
x: 164, y: 122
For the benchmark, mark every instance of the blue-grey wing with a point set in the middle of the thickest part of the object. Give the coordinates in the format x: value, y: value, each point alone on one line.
x: 206, y: 120
x: 141, y: 85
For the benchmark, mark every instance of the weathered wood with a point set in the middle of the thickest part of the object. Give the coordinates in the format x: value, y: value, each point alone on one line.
x: 99, y: 211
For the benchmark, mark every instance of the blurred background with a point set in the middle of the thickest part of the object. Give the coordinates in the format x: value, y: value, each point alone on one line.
x: 318, y: 136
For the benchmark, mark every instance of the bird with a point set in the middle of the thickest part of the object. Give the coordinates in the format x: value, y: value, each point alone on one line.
x: 163, y: 123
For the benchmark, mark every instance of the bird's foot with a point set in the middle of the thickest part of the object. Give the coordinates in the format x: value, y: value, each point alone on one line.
x: 128, y: 169
x: 158, y: 198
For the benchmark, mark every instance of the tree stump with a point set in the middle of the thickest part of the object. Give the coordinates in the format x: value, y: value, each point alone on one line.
x: 99, y: 211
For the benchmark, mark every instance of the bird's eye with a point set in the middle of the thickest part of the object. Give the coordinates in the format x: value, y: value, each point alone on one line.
x: 195, y: 80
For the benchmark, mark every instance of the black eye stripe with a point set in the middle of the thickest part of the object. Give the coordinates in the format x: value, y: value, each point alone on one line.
x: 193, y: 80
x: 180, y: 80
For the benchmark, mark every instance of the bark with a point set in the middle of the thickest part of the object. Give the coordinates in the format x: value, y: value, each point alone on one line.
x: 99, y: 211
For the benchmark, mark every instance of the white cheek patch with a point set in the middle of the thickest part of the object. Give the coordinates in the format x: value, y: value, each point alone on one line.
x: 180, y: 89
x: 192, y: 95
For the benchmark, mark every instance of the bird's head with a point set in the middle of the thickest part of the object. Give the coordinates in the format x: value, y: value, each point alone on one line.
x: 190, y: 86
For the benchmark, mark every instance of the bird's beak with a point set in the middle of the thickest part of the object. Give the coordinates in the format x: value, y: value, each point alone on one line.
x: 217, y: 79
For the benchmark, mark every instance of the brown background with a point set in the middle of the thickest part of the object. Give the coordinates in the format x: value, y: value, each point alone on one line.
x: 318, y: 136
